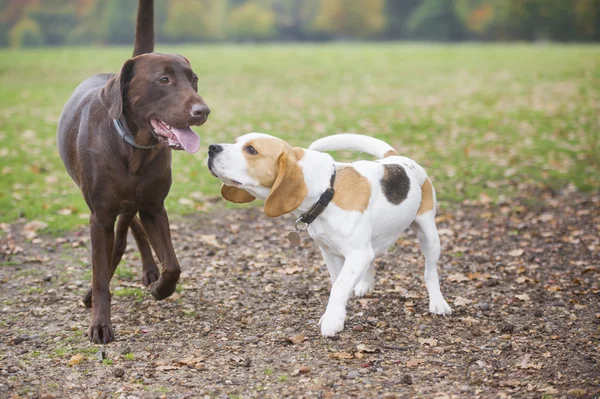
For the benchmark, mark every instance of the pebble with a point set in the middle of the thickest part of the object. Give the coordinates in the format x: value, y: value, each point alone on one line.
x: 353, y: 374
x: 406, y: 379
x: 101, y: 355
x: 126, y: 350
x: 359, y: 328
x: 48, y: 278
x: 538, y: 313
x: 47, y: 396
x: 484, y: 306
x: 304, y: 370
x: 251, y: 338
x: 548, y: 328
x: 119, y: 372
x: 577, y: 392
x: 507, y: 328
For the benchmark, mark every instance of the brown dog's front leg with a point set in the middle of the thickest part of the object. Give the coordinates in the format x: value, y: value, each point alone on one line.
x: 156, y: 225
x: 150, y: 272
x: 102, y: 237
x: 118, y: 250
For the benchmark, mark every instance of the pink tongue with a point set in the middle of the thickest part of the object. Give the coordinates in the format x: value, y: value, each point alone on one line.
x: 188, y: 138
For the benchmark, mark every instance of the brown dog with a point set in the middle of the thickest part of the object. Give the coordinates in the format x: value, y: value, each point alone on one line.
x: 115, y: 136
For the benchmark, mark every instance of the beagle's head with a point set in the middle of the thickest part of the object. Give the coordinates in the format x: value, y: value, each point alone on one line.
x: 259, y: 165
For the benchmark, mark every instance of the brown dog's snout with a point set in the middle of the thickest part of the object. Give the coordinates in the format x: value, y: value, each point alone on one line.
x: 200, y: 110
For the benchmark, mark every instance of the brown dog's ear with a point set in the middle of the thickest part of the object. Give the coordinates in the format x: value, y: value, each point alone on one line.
x: 111, y: 95
x: 289, y: 189
x: 236, y: 195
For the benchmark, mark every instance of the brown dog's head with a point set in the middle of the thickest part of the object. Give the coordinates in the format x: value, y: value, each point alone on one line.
x: 158, y: 92
x: 260, y: 165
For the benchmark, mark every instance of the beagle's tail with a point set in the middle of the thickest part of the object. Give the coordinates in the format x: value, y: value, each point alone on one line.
x: 354, y: 142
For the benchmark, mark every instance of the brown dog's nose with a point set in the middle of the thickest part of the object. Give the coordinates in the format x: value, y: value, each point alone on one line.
x: 200, y: 110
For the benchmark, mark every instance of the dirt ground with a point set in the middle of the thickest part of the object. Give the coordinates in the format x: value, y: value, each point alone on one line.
x: 522, y: 278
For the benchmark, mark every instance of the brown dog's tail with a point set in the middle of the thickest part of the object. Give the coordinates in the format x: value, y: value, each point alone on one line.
x: 144, y: 28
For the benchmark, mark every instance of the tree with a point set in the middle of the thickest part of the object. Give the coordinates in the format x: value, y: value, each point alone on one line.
x: 192, y: 20
x: 26, y: 33
x: 587, y: 18
x: 437, y: 20
x: 397, y: 13
x: 56, y: 19
x: 251, y: 21
x: 355, y: 19
x: 118, y: 21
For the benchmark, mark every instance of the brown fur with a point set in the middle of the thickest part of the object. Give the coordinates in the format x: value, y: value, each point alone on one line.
x: 390, y: 153
x: 352, y: 190
x: 289, y: 189
x: 236, y: 195
x: 426, y: 197
x: 119, y: 181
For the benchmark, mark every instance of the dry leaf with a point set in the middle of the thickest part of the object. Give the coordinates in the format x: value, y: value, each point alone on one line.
x: 415, y: 361
x: 516, y: 252
x: 210, y: 239
x: 523, y: 297
x: 365, y: 348
x: 297, y: 339
x: 460, y: 301
x: 458, y: 277
x: 428, y: 341
x: 342, y: 355
x: 469, y: 321
x: 166, y: 368
x: 76, y: 359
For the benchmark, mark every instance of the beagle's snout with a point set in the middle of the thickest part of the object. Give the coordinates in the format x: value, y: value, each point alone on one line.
x: 214, y: 149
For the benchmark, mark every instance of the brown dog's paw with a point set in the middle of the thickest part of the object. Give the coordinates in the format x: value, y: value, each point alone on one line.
x: 87, y: 298
x: 101, y: 332
x: 161, y: 289
x: 150, y: 275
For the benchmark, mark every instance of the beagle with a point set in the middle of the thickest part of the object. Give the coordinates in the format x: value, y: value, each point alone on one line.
x: 373, y: 202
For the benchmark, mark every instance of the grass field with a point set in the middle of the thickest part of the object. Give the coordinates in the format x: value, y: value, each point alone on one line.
x: 482, y: 119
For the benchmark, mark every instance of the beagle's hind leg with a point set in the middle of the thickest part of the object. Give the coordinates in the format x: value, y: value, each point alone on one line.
x: 426, y: 231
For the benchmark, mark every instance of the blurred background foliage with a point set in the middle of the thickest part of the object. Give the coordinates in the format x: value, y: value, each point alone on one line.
x: 77, y: 22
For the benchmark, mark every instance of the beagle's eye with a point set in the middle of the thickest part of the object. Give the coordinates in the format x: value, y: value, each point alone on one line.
x: 250, y: 150
x: 164, y: 80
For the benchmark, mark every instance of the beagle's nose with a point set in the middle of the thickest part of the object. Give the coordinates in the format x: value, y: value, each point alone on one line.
x: 200, y: 110
x: 214, y: 149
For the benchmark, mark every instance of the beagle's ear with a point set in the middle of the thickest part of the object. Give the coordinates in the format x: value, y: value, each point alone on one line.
x: 236, y: 195
x: 111, y: 95
x: 289, y: 189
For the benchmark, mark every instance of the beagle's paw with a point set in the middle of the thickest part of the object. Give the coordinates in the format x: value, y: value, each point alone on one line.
x: 332, y: 323
x: 439, y: 306
x: 363, y: 287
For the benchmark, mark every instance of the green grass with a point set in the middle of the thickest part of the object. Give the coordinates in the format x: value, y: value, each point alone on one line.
x: 480, y: 118
x: 136, y: 293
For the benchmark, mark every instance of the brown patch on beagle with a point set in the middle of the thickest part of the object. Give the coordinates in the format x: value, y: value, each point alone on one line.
x: 236, y: 195
x: 299, y: 153
x: 263, y: 165
x: 395, y: 183
x: 289, y: 189
x: 390, y: 153
x: 352, y: 190
x: 426, y: 197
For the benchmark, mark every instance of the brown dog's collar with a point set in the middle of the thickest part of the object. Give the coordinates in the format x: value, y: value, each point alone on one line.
x: 121, y: 127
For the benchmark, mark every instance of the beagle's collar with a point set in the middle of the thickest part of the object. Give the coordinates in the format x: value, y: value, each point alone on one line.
x: 121, y: 127
x: 309, y: 216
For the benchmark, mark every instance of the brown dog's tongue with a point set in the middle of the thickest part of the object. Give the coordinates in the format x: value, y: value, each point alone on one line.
x: 189, y: 140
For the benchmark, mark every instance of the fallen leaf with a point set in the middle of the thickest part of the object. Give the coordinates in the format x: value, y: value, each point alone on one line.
x: 166, y: 368
x: 415, y: 361
x: 297, y: 339
x: 365, y: 348
x: 516, y: 252
x: 460, y: 301
x: 210, y: 239
x: 469, y: 321
x: 523, y: 297
x: 458, y: 277
x: 428, y: 341
x: 342, y: 355
x: 76, y: 359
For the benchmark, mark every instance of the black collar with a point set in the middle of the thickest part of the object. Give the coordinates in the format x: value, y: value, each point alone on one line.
x: 309, y: 216
x: 121, y: 127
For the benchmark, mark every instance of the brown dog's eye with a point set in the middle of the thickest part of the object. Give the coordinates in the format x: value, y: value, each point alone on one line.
x: 250, y: 150
x: 164, y: 80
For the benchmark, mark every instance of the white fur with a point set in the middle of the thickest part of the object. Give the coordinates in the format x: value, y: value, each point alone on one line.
x: 350, y: 240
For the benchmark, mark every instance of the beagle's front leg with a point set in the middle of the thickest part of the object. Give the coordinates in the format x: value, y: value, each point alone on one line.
x: 355, y: 265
